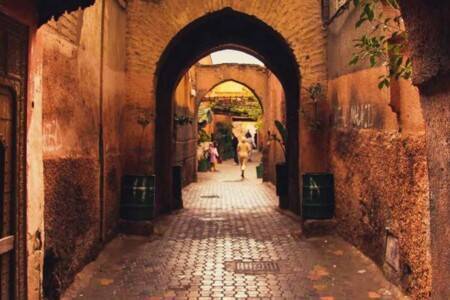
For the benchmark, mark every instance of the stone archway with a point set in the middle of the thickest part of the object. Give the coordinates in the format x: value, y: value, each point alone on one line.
x: 267, y: 89
x: 251, y: 76
x: 226, y: 28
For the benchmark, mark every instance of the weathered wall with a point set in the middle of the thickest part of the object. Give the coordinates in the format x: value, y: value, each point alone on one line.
x: 436, y: 105
x: 83, y: 87
x: 274, y: 109
x: 378, y: 157
x: 152, y: 25
x: 185, y: 133
x: 70, y: 126
x: 428, y: 25
x: 113, y: 93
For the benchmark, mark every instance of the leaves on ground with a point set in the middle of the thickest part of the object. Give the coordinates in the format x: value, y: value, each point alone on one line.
x: 319, y: 287
x: 384, y: 292
x: 105, y: 281
x: 373, y: 295
x: 318, y: 272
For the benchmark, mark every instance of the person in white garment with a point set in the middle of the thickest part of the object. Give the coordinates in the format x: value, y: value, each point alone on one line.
x: 243, y: 150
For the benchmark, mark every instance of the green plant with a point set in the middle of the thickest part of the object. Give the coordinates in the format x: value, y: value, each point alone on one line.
x: 223, y: 136
x: 386, y: 44
x: 203, y: 136
x: 248, y: 107
x: 182, y: 120
x: 205, y: 114
x: 316, y: 94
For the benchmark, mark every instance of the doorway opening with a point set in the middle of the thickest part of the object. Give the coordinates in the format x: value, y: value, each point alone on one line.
x: 228, y: 114
x: 224, y: 29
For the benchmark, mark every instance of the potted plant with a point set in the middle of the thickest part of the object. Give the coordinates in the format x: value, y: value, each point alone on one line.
x: 260, y: 170
x: 203, y: 139
x: 282, y: 178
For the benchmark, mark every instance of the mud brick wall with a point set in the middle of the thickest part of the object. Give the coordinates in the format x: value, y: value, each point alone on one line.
x: 378, y: 157
x: 83, y: 89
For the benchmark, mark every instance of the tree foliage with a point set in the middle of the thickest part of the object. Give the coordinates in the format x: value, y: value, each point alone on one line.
x: 386, y: 44
x: 250, y: 108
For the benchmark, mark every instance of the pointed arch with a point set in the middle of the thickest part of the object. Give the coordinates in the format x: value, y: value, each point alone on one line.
x: 223, y: 29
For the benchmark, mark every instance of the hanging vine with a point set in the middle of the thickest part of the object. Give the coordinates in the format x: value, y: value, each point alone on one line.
x: 387, y: 42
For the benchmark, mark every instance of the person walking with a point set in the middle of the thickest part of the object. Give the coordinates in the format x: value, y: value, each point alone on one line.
x: 213, y: 156
x: 243, y: 150
x: 249, y: 138
x: 235, y: 143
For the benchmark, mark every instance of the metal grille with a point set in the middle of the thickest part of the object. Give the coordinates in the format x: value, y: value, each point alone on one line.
x: 256, y: 267
x: 210, y: 196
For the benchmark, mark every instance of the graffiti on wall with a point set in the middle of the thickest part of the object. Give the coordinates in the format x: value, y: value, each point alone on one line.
x: 338, y: 117
x: 362, y: 115
x: 52, y: 136
x: 356, y: 116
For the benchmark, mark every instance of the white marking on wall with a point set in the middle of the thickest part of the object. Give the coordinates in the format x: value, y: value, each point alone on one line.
x: 339, y: 117
x: 362, y: 115
x: 52, y: 136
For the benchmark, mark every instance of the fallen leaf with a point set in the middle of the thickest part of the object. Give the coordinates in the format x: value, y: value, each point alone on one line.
x: 384, y: 292
x: 338, y: 252
x: 362, y: 271
x: 373, y: 295
x: 319, y: 287
x: 105, y: 281
x: 318, y: 272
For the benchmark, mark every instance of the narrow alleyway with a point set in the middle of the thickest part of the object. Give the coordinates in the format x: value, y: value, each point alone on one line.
x: 230, y: 242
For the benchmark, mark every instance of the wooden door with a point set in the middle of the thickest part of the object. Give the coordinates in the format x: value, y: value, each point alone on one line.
x: 7, y: 194
x: 13, y: 81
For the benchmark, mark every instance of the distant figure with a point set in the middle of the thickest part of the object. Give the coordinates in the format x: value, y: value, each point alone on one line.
x: 213, y: 156
x: 249, y: 139
x: 243, y: 150
x: 256, y: 140
x: 235, y: 143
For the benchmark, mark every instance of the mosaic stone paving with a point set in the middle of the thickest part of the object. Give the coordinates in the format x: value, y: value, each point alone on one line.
x: 235, y: 245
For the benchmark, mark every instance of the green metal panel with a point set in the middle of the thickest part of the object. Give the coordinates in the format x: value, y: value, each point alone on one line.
x: 138, y: 198
x: 318, y: 196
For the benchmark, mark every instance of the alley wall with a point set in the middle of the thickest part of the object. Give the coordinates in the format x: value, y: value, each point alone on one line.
x: 185, y: 129
x: 428, y: 26
x: 83, y: 88
x: 378, y: 157
x: 274, y: 109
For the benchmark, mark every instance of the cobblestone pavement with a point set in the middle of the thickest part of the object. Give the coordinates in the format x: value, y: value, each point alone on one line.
x: 230, y: 242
